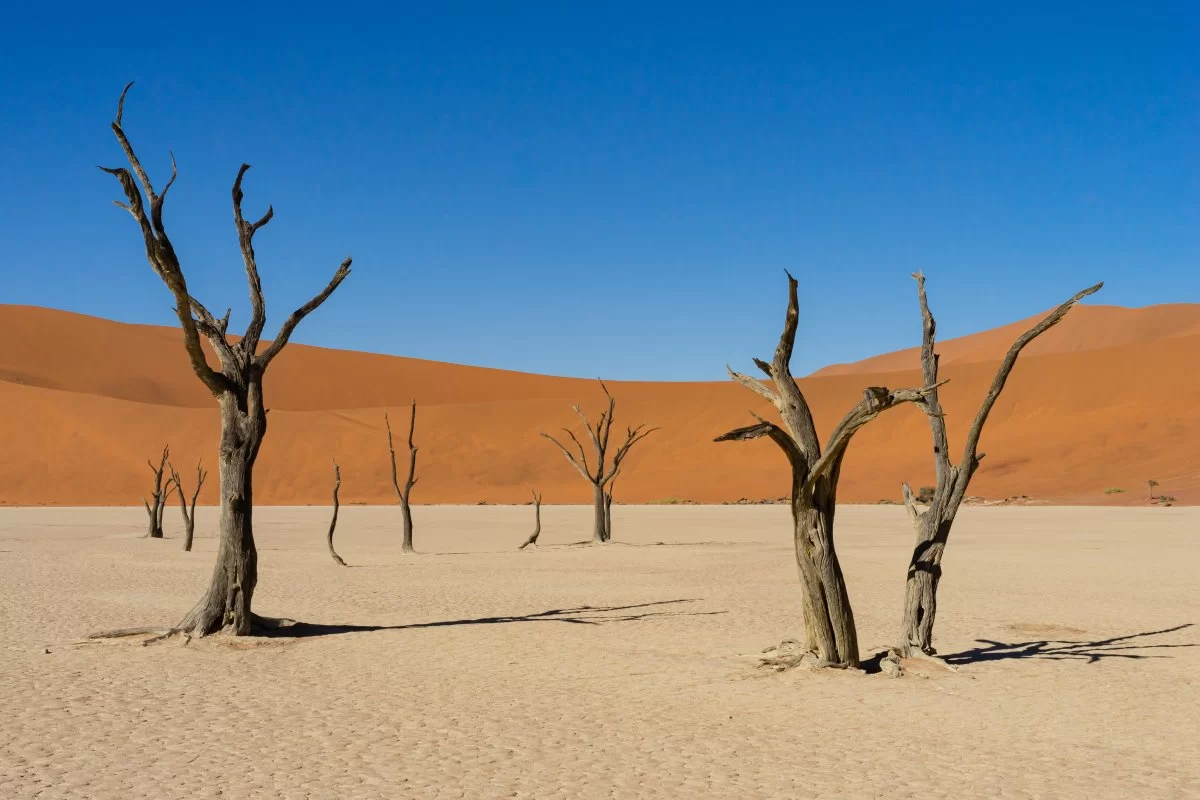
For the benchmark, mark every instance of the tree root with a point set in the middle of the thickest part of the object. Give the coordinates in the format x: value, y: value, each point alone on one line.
x: 120, y: 633
x: 790, y: 654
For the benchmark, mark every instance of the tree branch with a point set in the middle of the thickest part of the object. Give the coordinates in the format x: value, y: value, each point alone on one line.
x: 970, y: 459
x: 570, y: 457
x: 929, y: 368
x: 159, y: 251
x: 876, y: 400
x: 290, y: 324
x: 246, y: 231
x: 632, y: 437
x: 777, y: 434
x: 755, y: 386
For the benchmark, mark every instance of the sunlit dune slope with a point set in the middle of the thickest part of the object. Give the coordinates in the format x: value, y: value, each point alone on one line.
x: 1092, y: 407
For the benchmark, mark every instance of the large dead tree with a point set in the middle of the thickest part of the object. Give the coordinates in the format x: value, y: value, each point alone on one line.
x: 189, y: 517
x: 531, y: 542
x: 602, y: 473
x: 160, y: 495
x: 402, y: 495
x: 337, y: 484
x: 237, y: 385
x: 933, y: 524
x: 829, y: 632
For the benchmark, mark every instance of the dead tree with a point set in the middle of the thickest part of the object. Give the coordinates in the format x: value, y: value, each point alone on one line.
x: 829, y: 632
x: 531, y: 542
x: 933, y: 524
x: 608, y: 501
x: 160, y: 496
x: 602, y: 474
x: 337, y: 484
x: 237, y: 386
x: 189, y: 517
x: 402, y: 495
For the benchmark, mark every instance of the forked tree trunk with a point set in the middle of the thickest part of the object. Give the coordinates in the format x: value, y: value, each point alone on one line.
x: 932, y: 526
x: 189, y: 517
x: 829, y: 632
x: 154, y: 510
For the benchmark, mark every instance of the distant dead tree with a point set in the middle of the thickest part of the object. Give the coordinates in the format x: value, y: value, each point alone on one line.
x: 160, y: 495
x: 402, y: 495
x: 829, y: 631
x: 1153, y: 484
x: 337, y: 484
x: 933, y: 524
x: 237, y: 387
x: 531, y: 542
x: 602, y: 474
x: 189, y: 518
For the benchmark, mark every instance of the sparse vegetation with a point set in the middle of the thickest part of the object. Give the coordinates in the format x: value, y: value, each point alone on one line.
x: 1114, y: 490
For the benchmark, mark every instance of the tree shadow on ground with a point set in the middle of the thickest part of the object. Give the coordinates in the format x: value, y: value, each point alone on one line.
x: 1069, y: 650
x: 579, y: 615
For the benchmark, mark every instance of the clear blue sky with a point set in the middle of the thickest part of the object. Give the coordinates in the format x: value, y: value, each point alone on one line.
x: 607, y: 188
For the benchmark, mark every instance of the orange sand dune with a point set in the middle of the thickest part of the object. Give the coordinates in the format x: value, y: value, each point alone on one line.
x: 1096, y: 407
x: 1085, y: 328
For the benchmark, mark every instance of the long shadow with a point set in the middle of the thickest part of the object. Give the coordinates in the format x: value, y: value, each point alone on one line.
x: 1068, y: 650
x: 580, y: 615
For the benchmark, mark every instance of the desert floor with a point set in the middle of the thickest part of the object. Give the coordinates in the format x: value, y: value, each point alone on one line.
x: 475, y: 671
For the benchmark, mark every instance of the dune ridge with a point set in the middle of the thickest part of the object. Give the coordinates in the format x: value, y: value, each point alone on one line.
x: 1104, y: 401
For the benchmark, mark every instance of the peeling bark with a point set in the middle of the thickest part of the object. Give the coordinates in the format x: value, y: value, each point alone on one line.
x: 237, y: 386
x: 602, y: 475
x: 830, y: 636
x: 933, y: 525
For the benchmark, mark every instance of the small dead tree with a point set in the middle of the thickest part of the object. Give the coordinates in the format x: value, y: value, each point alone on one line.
x: 602, y: 474
x: 402, y: 495
x: 237, y: 386
x: 933, y: 524
x: 337, y: 484
x: 189, y: 517
x: 531, y: 542
x: 160, y: 496
x: 829, y: 631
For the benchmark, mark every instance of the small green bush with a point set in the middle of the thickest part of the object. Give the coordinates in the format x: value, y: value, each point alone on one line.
x: 1114, y: 490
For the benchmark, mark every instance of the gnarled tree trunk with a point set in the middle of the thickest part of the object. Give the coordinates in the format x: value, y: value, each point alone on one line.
x: 531, y: 542
x: 829, y: 632
x: 237, y: 386
x: 933, y: 525
x: 337, y: 484
x: 602, y: 475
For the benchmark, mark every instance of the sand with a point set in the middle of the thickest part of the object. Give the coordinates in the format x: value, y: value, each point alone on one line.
x: 1105, y: 401
x: 474, y: 671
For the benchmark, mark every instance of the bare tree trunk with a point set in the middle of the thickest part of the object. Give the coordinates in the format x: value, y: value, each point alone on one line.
x: 189, y: 519
x: 531, y: 542
x: 402, y: 495
x: 602, y: 475
x: 600, y: 517
x: 933, y: 525
x: 237, y: 385
x: 226, y: 605
x: 154, y: 510
x: 829, y: 631
x: 337, y: 484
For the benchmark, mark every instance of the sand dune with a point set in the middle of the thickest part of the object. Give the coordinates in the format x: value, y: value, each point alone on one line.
x: 1105, y: 401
